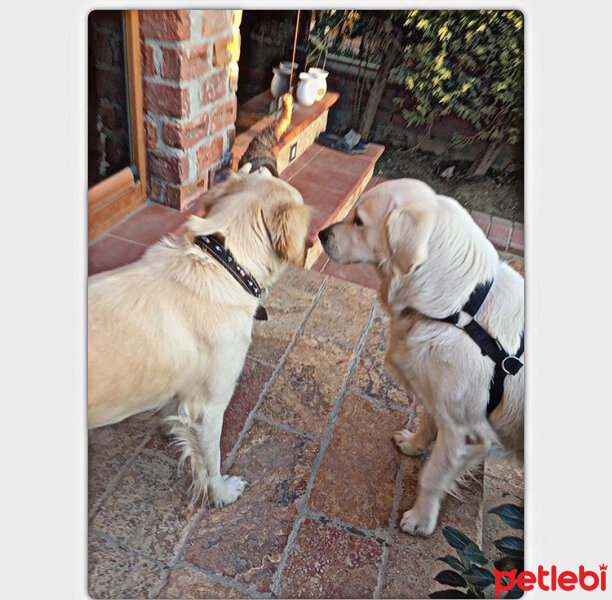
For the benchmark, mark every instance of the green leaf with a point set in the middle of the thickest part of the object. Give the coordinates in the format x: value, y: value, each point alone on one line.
x: 511, y: 514
x: 455, y: 538
x: 474, y: 554
x: 452, y: 562
x: 508, y: 563
x: 511, y: 546
x: 449, y: 594
x: 480, y: 577
x: 448, y: 577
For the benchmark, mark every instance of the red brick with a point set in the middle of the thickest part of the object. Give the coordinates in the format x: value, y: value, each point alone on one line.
x: 181, y: 64
x: 214, y: 22
x: 173, y: 25
x: 210, y: 153
x: 148, y: 62
x: 222, y: 54
x: 214, y: 87
x: 166, y: 100
x: 109, y: 116
x: 111, y: 85
x: 517, y: 243
x: 155, y: 190
x: 150, y: 134
x: 483, y: 220
x: 173, y: 169
x: 499, y: 233
x: 185, y: 135
x: 181, y: 197
x: 107, y: 49
x: 223, y: 115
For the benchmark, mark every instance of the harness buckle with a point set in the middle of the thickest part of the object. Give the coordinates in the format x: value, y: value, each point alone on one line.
x: 513, y: 366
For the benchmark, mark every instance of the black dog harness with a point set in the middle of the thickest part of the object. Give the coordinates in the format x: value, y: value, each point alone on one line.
x: 505, y: 364
x: 213, y: 246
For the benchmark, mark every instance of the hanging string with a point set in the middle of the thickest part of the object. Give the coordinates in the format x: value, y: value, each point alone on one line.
x: 297, y: 26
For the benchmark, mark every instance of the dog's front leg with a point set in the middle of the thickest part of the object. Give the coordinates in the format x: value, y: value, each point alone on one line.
x: 222, y: 489
x: 448, y: 459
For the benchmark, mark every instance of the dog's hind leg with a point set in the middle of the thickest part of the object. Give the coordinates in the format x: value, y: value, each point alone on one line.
x: 454, y: 451
x: 415, y: 443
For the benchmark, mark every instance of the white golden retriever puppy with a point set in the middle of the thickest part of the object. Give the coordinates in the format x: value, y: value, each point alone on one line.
x: 430, y: 256
x: 172, y: 330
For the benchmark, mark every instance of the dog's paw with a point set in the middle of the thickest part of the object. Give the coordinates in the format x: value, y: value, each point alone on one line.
x: 415, y: 523
x: 228, y: 490
x: 408, y: 442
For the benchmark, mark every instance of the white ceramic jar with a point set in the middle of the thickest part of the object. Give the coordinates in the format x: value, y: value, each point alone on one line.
x: 321, y: 75
x: 307, y: 89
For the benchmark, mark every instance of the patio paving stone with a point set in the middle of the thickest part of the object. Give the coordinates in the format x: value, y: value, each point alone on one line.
x: 116, y: 573
x: 245, y: 540
x: 303, y: 394
x: 330, y: 563
x: 356, y: 479
x: 370, y: 377
x: 341, y: 313
x: 185, y: 582
x: 144, y: 511
x: 320, y: 514
x: 109, y: 449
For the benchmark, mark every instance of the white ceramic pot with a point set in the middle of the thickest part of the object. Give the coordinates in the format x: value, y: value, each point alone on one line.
x: 307, y: 89
x: 280, y: 81
x: 321, y: 75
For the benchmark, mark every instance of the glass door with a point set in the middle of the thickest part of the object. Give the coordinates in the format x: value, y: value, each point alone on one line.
x: 116, y: 154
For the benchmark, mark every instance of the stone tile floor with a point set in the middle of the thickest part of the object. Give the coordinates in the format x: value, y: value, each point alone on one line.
x: 310, y: 428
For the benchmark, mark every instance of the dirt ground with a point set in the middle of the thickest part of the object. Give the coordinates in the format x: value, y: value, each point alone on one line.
x: 499, y: 194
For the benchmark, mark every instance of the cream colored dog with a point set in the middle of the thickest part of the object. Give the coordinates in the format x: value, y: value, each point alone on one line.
x: 172, y: 329
x: 430, y: 256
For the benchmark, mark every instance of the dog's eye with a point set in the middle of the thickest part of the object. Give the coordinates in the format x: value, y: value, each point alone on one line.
x: 358, y: 221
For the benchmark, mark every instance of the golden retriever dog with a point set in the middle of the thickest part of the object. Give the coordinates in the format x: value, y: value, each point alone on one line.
x: 171, y: 330
x: 430, y: 256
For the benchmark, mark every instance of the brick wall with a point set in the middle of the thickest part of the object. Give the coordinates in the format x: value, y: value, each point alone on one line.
x: 189, y: 63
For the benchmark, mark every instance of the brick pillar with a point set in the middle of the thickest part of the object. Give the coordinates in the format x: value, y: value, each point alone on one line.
x: 189, y: 68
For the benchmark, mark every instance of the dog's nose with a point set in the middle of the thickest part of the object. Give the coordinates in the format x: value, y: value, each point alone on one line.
x: 324, y: 234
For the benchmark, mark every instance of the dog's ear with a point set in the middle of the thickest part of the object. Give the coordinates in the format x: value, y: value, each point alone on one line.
x: 287, y: 224
x: 206, y: 226
x: 409, y: 228
x: 227, y: 182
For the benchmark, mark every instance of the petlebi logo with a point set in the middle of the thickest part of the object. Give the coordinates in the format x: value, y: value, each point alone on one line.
x: 550, y: 579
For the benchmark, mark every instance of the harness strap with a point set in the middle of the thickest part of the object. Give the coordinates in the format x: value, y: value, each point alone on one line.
x: 505, y: 364
x: 472, y: 306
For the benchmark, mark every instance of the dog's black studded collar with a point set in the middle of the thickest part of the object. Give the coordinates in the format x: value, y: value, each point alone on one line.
x: 213, y: 246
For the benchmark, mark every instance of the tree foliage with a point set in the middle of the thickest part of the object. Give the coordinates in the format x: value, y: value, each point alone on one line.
x: 467, y: 63
x: 463, y: 62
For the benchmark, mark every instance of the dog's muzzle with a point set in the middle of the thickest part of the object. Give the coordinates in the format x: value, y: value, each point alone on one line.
x: 324, y: 234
